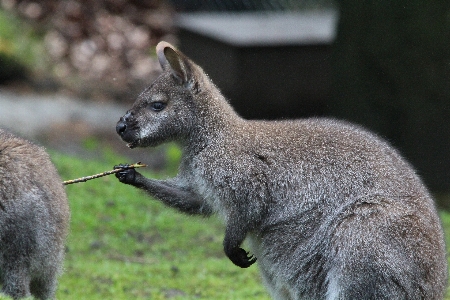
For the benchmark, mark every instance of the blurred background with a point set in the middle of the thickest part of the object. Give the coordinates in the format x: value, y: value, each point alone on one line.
x: 70, y: 68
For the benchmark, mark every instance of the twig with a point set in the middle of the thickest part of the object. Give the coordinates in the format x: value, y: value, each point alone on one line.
x: 84, y: 179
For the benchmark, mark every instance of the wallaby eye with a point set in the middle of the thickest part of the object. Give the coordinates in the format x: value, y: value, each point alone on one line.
x: 157, y: 106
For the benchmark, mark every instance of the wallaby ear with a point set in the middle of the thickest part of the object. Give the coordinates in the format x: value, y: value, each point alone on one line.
x: 171, y: 59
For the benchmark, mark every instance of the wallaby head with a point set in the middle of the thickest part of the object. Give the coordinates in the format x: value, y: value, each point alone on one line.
x: 171, y: 108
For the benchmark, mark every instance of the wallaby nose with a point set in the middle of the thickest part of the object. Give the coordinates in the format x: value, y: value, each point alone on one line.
x: 121, y: 126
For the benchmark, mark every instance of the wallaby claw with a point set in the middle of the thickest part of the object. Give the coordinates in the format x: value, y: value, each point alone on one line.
x: 241, y: 258
x: 127, y: 176
x: 121, y: 166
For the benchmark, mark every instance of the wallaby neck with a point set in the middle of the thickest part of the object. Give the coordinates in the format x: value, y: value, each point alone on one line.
x: 218, y: 120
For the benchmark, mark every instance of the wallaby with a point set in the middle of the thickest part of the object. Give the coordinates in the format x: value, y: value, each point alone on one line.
x: 330, y: 210
x: 34, y: 219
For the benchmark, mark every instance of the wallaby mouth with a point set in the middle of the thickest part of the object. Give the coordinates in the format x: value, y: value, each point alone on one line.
x: 129, y: 138
x: 133, y: 144
x: 125, y: 131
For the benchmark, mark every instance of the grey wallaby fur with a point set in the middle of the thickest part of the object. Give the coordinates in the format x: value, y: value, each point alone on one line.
x: 330, y: 210
x: 34, y: 219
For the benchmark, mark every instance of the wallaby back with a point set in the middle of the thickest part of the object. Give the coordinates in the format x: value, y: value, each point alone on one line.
x: 34, y: 219
x: 331, y: 211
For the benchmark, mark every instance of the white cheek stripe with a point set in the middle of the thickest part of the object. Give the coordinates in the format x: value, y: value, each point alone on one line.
x: 333, y: 287
x: 144, y: 132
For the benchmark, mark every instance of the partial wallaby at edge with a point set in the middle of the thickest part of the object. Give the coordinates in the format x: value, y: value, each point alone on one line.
x: 34, y: 220
x: 330, y: 210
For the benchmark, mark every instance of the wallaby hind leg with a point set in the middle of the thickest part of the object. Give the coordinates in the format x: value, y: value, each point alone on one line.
x: 369, y: 262
x: 366, y: 283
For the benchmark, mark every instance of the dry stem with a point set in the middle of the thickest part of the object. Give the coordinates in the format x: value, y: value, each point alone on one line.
x: 84, y: 179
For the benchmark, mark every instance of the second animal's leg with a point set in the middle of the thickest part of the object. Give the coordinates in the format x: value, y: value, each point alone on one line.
x: 44, y: 286
x: 17, y: 243
x: 16, y: 279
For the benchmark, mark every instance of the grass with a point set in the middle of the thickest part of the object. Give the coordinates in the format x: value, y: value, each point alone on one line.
x: 445, y: 218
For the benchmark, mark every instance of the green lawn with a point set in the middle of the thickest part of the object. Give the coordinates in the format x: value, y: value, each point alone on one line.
x: 124, y: 245
x: 445, y: 217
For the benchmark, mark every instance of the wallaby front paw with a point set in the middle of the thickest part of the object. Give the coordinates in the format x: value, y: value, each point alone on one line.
x: 241, y: 258
x: 127, y: 176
